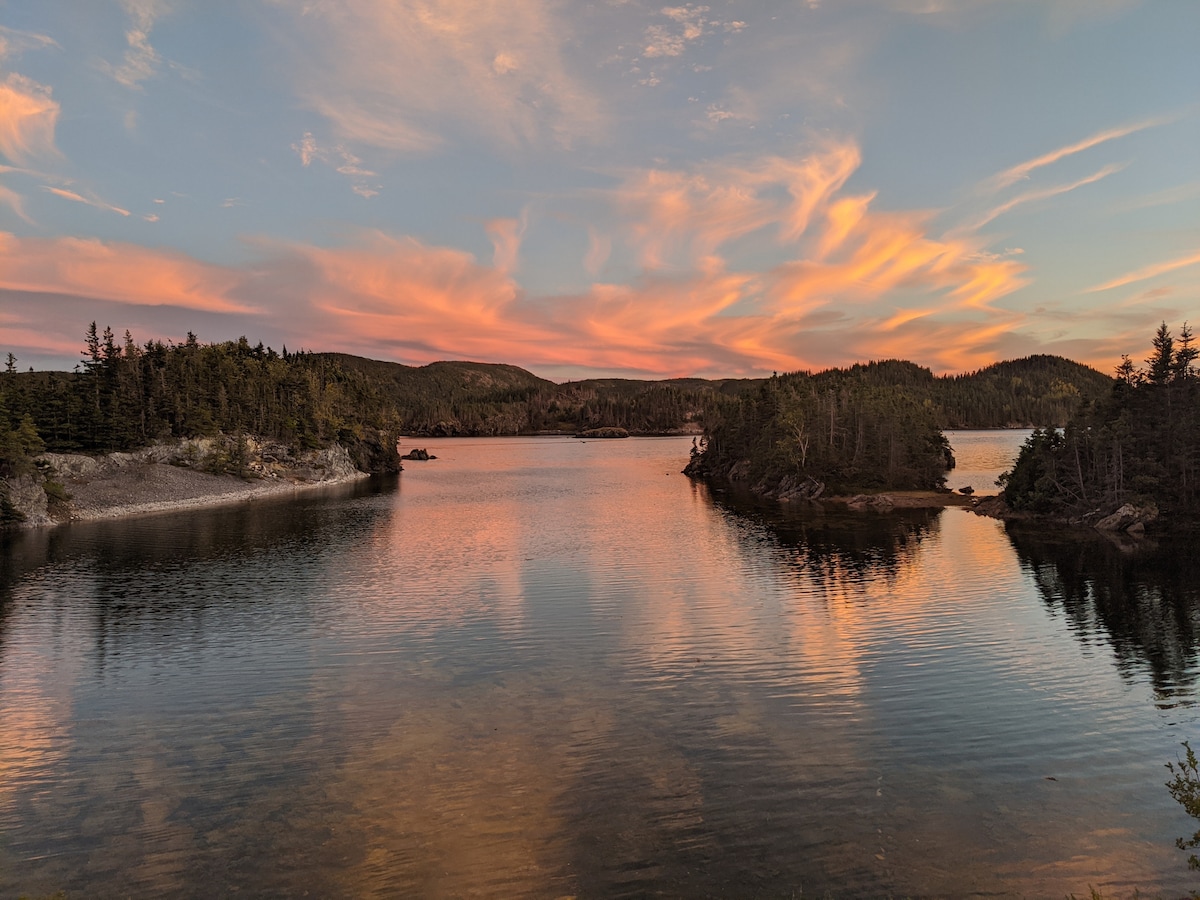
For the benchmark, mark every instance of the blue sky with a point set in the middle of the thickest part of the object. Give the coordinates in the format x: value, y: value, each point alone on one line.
x: 613, y: 187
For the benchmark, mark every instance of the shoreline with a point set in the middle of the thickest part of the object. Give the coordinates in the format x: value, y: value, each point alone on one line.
x: 165, y: 478
x: 225, y: 490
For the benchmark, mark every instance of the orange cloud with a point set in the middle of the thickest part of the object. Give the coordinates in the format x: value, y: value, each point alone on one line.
x: 124, y: 273
x: 850, y: 282
x: 28, y: 116
x: 688, y: 215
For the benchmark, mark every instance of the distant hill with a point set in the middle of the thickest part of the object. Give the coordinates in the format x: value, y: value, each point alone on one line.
x: 471, y: 398
x: 1033, y: 391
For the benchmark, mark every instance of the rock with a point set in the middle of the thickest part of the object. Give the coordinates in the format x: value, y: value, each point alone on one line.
x: 418, y: 455
x: 26, y: 497
x: 795, y: 488
x: 1128, y: 516
x: 872, y: 502
x: 966, y: 491
x: 605, y: 432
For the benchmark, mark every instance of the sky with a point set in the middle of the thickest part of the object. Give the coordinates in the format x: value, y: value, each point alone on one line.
x: 613, y: 187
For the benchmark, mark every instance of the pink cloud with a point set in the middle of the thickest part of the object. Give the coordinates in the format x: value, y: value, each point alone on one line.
x: 28, y: 116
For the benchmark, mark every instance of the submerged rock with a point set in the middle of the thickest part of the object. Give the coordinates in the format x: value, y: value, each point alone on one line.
x: 606, y: 432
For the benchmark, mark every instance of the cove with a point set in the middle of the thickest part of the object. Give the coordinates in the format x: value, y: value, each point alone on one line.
x: 547, y: 667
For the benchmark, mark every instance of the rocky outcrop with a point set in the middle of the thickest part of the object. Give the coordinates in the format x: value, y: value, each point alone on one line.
x: 418, y: 455
x: 24, y: 502
x: 1130, y: 518
x: 373, y: 450
x: 792, y: 487
x: 173, y: 475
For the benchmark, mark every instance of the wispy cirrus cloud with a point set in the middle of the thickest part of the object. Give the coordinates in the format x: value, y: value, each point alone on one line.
x: 1043, y: 194
x: 141, y: 61
x: 1021, y: 171
x: 89, y: 200
x: 340, y: 159
x: 410, y: 74
x: 1151, y: 271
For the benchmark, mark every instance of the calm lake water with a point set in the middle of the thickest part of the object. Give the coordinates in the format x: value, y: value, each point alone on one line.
x: 548, y: 667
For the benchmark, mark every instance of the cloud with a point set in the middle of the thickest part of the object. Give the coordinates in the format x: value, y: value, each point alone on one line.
x: 340, y: 159
x: 506, y: 235
x: 1043, y: 194
x: 124, y: 273
x: 688, y: 24
x: 1021, y: 171
x: 141, y: 60
x: 90, y: 200
x: 407, y: 75
x: 1150, y: 271
x: 747, y: 264
x: 28, y: 116
x: 14, y: 42
x: 684, y: 216
x: 15, y: 202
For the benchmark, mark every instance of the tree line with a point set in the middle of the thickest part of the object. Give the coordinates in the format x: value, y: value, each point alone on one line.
x: 125, y: 394
x: 1140, y: 442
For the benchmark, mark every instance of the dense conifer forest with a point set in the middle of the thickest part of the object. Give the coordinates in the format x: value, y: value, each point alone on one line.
x: 1139, y: 443
x: 865, y: 427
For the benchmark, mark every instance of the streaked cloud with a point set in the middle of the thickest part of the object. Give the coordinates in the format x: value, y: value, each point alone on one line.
x: 1021, y: 171
x: 1043, y: 194
x: 1151, y: 271
x: 15, y: 202
x: 124, y: 273
x: 14, y: 42
x: 28, y: 116
x: 90, y: 200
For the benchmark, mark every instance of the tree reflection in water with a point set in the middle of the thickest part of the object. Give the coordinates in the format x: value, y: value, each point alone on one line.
x: 1142, y: 599
x: 833, y: 544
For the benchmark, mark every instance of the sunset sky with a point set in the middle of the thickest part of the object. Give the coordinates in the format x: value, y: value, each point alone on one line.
x: 613, y: 187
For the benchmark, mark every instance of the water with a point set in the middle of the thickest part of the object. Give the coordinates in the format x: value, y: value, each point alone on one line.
x: 547, y: 667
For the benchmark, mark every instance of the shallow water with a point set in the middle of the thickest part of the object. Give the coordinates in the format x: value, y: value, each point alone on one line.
x: 545, y: 667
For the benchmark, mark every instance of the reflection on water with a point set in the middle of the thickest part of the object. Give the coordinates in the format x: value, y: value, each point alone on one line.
x: 1142, y: 599
x: 547, y: 668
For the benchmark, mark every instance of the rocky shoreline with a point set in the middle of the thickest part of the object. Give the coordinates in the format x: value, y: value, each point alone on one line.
x: 168, y: 477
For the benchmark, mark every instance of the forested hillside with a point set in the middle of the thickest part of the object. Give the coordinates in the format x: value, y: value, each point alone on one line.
x: 1140, y: 444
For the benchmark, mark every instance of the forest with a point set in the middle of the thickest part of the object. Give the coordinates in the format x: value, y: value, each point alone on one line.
x: 1139, y: 443
x: 124, y: 395
x: 841, y: 430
